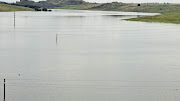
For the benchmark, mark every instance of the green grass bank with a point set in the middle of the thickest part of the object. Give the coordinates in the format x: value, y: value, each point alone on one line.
x: 8, y: 8
x: 170, y: 13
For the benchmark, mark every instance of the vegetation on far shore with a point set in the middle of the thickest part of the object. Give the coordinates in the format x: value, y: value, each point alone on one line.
x: 8, y: 8
x: 170, y: 13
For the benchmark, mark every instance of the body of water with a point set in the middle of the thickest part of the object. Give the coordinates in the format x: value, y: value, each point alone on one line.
x: 78, y: 55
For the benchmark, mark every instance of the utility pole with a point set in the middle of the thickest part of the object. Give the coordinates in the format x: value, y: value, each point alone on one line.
x: 4, y: 89
x: 14, y: 18
x: 56, y: 38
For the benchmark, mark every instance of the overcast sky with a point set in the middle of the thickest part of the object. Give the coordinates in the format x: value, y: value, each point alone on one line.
x: 127, y: 1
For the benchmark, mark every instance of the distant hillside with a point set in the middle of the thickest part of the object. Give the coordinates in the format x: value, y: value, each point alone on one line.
x: 84, y: 6
x: 8, y: 8
x: 152, y: 8
x: 66, y: 2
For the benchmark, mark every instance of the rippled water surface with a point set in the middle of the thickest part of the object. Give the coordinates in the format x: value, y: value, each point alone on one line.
x: 77, y: 55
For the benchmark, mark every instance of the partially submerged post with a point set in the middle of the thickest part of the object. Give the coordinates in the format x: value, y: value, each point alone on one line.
x: 14, y: 18
x: 56, y: 38
x: 4, y: 89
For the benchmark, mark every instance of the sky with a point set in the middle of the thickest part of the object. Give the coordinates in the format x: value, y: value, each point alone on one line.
x: 125, y: 1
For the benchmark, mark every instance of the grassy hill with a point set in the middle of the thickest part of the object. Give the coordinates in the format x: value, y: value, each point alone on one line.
x: 66, y: 2
x: 8, y: 8
x: 152, y: 8
x: 170, y: 13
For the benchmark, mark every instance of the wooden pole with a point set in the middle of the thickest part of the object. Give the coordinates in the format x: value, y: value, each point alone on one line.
x: 56, y: 38
x: 4, y: 89
x: 14, y: 18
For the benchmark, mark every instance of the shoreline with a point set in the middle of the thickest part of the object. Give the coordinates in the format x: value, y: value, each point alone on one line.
x: 169, y: 13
